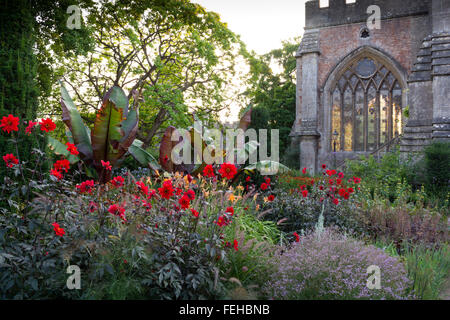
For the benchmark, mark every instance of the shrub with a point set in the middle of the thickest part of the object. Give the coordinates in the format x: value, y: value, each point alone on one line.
x: 329, y: 265
x: 381, y: 177
x: 437, y: 169
x: 299, y: 208
x: 403, y: 224
x: 168, y: 241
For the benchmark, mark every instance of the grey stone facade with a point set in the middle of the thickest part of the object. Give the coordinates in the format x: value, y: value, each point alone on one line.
x: 414, y: 45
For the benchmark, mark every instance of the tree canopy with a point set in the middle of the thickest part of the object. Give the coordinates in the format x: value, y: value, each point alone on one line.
x: 272, y: 93
x: 171, y: 55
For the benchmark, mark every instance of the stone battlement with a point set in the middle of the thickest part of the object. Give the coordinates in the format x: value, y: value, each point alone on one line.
x: 339, y: 12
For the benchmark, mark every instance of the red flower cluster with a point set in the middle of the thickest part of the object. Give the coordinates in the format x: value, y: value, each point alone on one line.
x: 61, y: 165
x: 58, y: 230
x: 228, y: 170
x: 10, y: 160
x: 58, y: 167
x: 297, y: 237
x: 86, y: 186
x: 9, y: 123
x: 230, y: 210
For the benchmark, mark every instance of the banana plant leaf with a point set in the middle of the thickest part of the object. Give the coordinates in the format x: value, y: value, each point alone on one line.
x: 107, y: 132
x: 72, y: 118
x: 142, y: 156
x: 246, y: 120
x: 165, y: 150
x: 130, y: 126
x: 60, y: 149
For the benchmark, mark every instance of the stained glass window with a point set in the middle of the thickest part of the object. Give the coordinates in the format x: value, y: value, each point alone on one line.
x: 367, y: 107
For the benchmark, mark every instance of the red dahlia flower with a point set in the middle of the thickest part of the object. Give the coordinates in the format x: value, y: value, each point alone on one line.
x: 72, y: 149
x: 271, y: 198
x: 57, y: 174
x: 9, y: 123
x: 30, y: 127
x: 194, y: 213
x: 61, y: 165
x: 85, y: 186
x: 58, y: 230
x: 166, y: 191
x: 230, y: 210
x: 118, y: 181
x: 304, y: 170
x: 228, y: 170
x: 142, y: 187
x: 106, y: 165
x: 47, y: 125
x: 208, y: 171
x: 10, y: 160
x: 305, y: 193
x: 184, y: 202
x: 264, y: 186
x: 297, y: 237
x: 191, y: 194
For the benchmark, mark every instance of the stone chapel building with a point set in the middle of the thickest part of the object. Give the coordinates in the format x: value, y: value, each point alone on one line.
x: 354, y: 82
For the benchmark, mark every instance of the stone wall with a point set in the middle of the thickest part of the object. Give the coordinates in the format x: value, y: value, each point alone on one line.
x: 399, y: 38
x: 339, y: 13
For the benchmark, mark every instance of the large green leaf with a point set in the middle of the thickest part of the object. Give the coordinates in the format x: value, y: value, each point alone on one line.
x: 107, y: 132
x: 130, y: 128
x: 142, y: 156
x: 61, y: 149
x: 73, y: 121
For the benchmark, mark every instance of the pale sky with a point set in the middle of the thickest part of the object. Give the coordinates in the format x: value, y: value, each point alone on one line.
x: 262, y: 24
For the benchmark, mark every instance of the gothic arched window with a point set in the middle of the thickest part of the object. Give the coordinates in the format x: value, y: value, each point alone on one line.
x: 367, y: 107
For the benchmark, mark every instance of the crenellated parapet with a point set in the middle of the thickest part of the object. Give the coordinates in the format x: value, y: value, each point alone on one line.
x: 339, y: 12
